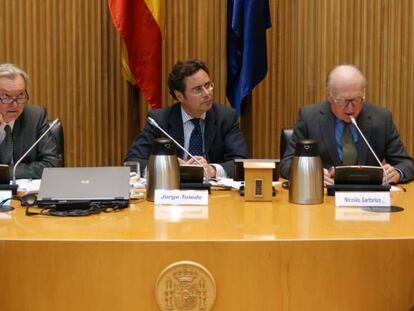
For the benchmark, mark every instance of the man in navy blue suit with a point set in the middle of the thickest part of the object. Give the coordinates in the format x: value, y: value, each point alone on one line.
x: 209, y: 130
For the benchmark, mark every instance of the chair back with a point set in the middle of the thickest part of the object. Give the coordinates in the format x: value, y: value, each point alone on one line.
x: 285, y: 137
x: 57, y: 133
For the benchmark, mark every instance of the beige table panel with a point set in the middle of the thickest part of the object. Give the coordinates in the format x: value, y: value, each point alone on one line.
x: 263, y: 256
x: 342, y: 275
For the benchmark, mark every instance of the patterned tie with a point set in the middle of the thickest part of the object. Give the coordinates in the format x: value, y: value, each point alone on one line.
x: 6, y: 147
x: 349, y: 151
x: 196, y: 139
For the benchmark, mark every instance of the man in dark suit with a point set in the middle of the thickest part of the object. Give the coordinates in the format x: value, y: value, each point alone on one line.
x: 21, y: 124
x: 338, y: 140
x: 208, y: 130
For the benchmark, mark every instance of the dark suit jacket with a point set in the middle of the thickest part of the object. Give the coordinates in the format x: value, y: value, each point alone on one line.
x: 317, y: 122
x: 26, y: 130
x: 223, y: 139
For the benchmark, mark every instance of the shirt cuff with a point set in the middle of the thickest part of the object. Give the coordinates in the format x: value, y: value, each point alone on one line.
x: 220, y: 172
x: 402, y: 176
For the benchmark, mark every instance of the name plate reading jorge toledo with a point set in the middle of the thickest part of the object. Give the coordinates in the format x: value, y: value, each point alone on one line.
x: 181, y: 197
x: 362, y: 198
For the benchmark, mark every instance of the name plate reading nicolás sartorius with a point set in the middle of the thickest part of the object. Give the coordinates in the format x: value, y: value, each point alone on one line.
x: 181, y: 197
x: 363, y: 198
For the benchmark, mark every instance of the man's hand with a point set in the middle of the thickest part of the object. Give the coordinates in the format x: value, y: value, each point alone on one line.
x: 328, y: 176
x: 393, y: 174
x: 211, y: 170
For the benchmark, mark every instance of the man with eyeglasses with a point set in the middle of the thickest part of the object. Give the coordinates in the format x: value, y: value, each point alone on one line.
x: 21, y: 124
x: 209, y: 131
x: 339, y: 144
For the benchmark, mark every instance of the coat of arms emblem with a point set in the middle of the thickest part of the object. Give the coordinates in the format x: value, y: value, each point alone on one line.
x: 186, y: 286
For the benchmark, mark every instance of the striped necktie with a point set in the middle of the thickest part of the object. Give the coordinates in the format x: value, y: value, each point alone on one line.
x: 6, y: 147
x: 349, y: 151
x: 196, y: 139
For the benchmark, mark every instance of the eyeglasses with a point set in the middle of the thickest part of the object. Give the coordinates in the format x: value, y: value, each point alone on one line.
x: 20, y: 99
x: 198, y: 90
x: 342, y: 103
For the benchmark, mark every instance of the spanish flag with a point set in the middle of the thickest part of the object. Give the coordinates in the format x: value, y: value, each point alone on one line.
x: 141, y: 24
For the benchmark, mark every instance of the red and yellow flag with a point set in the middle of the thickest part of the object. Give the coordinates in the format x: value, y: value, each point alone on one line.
x: 141, y: 24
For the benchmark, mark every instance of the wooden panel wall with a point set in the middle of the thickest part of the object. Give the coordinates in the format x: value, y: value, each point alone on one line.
x: 197, y: 29
x: 71, y: 51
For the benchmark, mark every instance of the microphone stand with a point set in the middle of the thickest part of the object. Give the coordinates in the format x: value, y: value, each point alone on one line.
x: 13, y: 186
x: 30, y: 149
x: 370, y: 148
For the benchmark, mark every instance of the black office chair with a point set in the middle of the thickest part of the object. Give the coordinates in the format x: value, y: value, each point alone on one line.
x: 285, y: 137
x: 57, y: 133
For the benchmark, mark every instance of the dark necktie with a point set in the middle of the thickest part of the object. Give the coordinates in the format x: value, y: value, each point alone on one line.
x: 349, y: 151
x: 196, y: 139
x: 6, y: 147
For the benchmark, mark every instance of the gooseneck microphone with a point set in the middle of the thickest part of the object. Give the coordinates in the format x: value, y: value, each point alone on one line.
x: 370, y: 148
x: 154, y: 123
x: 30, y: 149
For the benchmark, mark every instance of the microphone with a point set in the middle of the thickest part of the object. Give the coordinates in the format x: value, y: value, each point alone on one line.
x: 153, y: 123
x: 30, y: 149
x: 370, y: 148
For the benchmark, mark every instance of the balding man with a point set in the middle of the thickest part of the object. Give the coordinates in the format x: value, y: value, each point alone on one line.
x: 338, y: 140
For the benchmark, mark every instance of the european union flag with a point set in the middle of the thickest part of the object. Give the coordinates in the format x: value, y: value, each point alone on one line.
x: 247, y: 21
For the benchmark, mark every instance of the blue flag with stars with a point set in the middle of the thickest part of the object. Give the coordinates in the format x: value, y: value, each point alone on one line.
x: 247, y: 22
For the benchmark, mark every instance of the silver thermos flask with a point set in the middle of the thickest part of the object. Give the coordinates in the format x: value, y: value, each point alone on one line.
x: 163, y: 169
x: 306, y: 174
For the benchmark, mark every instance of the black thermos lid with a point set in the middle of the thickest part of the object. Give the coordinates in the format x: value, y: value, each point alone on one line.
x: 163, y: 146
x: 307, y: 148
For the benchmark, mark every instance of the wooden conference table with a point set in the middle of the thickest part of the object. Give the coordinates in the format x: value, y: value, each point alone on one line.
x: 263, y: 256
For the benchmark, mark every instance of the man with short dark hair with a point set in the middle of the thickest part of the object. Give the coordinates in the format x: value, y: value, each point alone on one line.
x: 338, y: 140
x: 21, y: 124
x: 210, y: 131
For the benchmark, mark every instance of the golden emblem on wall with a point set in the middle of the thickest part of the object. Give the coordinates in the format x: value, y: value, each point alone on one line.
x: 186, y: 286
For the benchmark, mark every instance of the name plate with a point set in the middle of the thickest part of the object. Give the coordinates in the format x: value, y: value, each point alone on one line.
x: 181, y: 197
x: 362, y: 198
